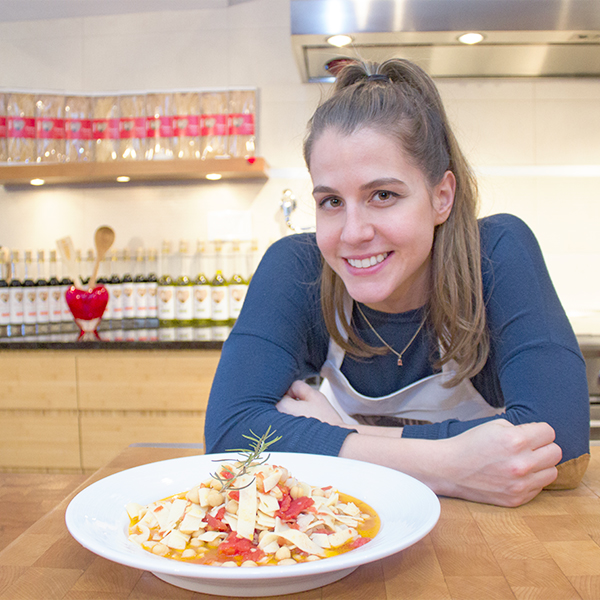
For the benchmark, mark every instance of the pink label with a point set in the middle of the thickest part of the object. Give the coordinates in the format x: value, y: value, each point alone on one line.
x: 132, y: 128
x: 105, y: 129
x: 3, y: 128
x: 21, y: 127
x: 188, y: 125
x: 78, y: 129
x: 214, y: 125
x: 159, y: 127
x: 50, y: 129
x: 241, y: 124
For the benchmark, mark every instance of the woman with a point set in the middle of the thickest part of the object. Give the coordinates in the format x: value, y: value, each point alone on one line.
x: 445, y: 350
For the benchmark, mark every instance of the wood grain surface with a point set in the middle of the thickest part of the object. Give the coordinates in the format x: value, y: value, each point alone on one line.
x: 548, y: 549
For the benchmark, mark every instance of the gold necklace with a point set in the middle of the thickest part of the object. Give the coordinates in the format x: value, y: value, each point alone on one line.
x: 398, y: 354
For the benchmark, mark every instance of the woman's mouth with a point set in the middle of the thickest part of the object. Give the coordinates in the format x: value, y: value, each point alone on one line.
x: 365, y: 263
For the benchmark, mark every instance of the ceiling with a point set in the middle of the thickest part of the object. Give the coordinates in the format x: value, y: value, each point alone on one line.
x: 32, y: 10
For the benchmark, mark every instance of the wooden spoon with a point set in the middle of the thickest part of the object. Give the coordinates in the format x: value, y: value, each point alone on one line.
x: 103, y: 238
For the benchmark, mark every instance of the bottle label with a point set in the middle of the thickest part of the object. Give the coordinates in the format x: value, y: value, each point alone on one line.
x: 66, y: 311
x: 132, y: 128
x: 55, y: 305
x: 78, y: 129
x: 4, y: 306
x: 29, y: 306
x: 115, y: 301
x: 237, y: 294
x: 50, y: 129
x: 241, y: 124
x: 219, y: 303
x: 42, y: 304
x: 186, y: 126
x: 21, y: 127
x: 213, y: 125
x: 3, y: 128
x: 183, y: 303
x: 202, y: 305
x: 159, y: 127
x: 105, y: 129
x: 140, y: 295
x: 128, y: 301
x: 17, y: 308
x: 166, y: 303
x: 152, y: 300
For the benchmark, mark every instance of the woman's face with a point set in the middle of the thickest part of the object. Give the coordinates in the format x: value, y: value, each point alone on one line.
x: 376, y: 217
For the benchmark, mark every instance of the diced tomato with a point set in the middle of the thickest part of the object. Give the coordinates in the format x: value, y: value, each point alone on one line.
x: 289, y: 511
x: 234, y: 495
x: 236, y: 546
x: 215, y: 524
x: 220, y: 513
x: 326, y: 488
x: 225, y: 474
x: 358, y: 542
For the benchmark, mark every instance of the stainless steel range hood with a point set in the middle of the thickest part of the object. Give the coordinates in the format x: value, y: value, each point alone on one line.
x: 522, y: 38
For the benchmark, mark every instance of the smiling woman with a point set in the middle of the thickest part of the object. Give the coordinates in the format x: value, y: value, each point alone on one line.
x: 443, y: 346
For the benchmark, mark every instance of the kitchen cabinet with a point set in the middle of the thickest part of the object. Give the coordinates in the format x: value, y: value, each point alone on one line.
x: 138, y: 171
x: 71, y: 411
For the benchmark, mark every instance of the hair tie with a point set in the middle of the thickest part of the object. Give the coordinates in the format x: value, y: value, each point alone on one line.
x: 378, y: 77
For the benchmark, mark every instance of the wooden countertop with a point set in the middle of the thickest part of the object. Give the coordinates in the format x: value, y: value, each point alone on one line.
x: 548, y: 549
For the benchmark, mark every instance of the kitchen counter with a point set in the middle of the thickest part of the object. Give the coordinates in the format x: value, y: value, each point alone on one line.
x: 548, y: 548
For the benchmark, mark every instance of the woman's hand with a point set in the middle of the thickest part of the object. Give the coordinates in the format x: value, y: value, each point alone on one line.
x: 501, y: 463
x: 302, y: 400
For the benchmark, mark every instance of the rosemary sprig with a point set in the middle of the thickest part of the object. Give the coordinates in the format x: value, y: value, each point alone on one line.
x: 252, y: 458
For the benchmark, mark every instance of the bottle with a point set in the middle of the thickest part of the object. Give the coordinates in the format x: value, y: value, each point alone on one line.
x: 66, y: 315
x: 42, y: 292
x: 201, y: 310
x: 218, y: 291
x: 166, y: 298
x: 17, y: 308
x: 4, y: 294
x: 29, y: 294
x: 140, y: 288
x: 184, y: 289
x: 114, y: 308
x: 152, y: 284
x: 127, y: 283
x: 238, y: 284
x: 55, y: 304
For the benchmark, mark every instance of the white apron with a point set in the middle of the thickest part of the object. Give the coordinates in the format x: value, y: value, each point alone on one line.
x: 423, y: 400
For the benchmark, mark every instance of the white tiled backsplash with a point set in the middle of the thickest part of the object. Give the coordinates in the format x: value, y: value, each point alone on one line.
x: 510, y: 129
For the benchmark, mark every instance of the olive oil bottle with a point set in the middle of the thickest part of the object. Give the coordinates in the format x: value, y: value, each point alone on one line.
x: 238, y: 284
x: 166, y: 289
x: 202, y: 307
x: 184, y: 289
x: 219, y: 291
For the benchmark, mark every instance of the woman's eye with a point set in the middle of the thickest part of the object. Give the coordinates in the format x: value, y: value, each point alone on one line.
x: 332, y: 202
x: 383, y: 195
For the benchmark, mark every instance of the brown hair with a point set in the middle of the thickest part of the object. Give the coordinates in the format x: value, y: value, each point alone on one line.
x: 398, y: 98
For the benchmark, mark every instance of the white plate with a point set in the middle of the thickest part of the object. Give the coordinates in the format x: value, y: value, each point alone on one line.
x: 97, y: 519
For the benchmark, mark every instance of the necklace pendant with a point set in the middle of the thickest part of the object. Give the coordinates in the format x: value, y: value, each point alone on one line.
x: 399, y: 361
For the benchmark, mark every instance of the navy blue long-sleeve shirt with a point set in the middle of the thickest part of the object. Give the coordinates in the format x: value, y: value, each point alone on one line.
x: 535, y: 368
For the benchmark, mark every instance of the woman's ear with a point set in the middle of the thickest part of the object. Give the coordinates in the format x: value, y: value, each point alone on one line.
x: 443, y: 197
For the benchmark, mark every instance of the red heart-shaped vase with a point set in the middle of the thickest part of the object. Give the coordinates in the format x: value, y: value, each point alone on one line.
x: 87, y: 307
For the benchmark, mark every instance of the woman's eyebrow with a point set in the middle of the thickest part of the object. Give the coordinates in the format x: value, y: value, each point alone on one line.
x: 382, y: 183
x: 323, y: 189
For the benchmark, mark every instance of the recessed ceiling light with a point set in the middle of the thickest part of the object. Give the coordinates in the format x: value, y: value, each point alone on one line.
x: 123, y: 179
x: 37, y: 182
x: 214, y: 176
x: 471, y: 38
x: 339, y: 40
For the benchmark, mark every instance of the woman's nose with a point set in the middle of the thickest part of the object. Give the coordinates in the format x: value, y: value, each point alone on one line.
x: 357, y: 227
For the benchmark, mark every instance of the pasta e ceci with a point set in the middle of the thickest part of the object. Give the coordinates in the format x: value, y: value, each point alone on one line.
x: 257, y: 516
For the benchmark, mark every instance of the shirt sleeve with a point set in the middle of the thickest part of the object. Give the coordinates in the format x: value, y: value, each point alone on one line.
x: 279, y: 337
x: 535, y: 359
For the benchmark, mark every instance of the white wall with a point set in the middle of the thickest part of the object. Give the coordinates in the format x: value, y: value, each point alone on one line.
x: 524, y: 137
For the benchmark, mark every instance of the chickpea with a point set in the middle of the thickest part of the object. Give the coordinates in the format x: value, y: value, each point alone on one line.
x: 189, y: 553
x: 192, y: 495
x: 276, y: 493
x: 296, y: 492
x: 318, y: 492
x: 214, y: 543
x: 312, y: 557
x: 249, y: 563
x: 286, y: 562
x: 262, y: 534
x: 283, y: 553
x: 232, y: 507
x: 215, y: 498
x: 160, y: 549
x: 215, y: 484
x: 229, y: 563
x: 196, y: 543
